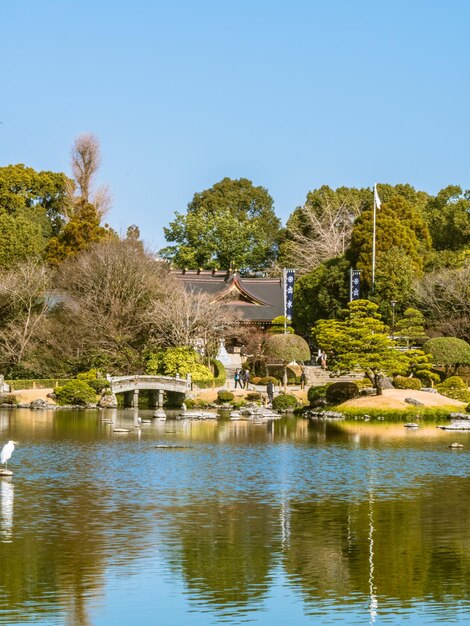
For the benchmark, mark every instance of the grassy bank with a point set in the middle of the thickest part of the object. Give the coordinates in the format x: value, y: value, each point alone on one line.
x: 409, y: 414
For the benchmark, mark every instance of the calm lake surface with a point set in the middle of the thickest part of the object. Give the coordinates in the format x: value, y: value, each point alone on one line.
x: 289, y: 522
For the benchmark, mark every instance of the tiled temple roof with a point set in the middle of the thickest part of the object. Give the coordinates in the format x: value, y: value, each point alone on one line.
x: 257, y: 300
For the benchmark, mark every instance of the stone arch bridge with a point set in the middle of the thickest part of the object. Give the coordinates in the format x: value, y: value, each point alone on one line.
x: 157, y: 384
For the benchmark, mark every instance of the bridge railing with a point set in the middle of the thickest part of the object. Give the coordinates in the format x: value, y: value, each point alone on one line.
x: 142, y: 379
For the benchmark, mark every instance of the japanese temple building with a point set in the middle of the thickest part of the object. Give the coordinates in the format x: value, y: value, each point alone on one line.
x: 254, y: 300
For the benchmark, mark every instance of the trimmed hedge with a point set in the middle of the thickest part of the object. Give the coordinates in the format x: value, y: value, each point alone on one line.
x: 456, y: 394
x: 337, y: 393
x: 453, y: 382
x: 284, y: 402
x: 314, y: 394
x: 266, y: 379
x: 75, y: 392
x: 253, y: 396
x: 36, y: 383
x: 225, y: 396
x: 402, y: 382
x: 220, y: 373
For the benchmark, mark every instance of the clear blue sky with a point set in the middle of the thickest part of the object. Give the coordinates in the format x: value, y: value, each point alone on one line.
x: 291, y: 94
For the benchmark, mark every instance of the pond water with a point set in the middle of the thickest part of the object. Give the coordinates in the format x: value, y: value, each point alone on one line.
x: 285, y: 522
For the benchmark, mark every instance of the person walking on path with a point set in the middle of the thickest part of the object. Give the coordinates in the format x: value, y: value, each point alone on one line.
x: 246, y: 378
x: 270, y: 391
x: 303, y: 379
x: 238, y: 378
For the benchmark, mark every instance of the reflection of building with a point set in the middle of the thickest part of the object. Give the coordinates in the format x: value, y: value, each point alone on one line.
x: 255, y: 300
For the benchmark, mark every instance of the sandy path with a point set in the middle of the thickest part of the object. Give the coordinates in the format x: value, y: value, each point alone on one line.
x: 395, y: 399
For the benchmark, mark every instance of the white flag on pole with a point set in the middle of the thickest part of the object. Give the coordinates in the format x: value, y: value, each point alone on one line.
x: 378, y: 204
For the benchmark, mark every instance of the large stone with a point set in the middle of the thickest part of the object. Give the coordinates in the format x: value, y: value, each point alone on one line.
x: 40, y: 404
x: 413, y: 402
x: 108, y: 401
x: 387, y: 383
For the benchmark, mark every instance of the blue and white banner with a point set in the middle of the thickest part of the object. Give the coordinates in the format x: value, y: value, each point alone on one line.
x: 289, y: 278
x: 355, y: 285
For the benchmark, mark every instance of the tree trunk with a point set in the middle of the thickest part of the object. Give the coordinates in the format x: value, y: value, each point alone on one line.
x: 378, y: 383
x: 284, y: 378
x: 376, y: 380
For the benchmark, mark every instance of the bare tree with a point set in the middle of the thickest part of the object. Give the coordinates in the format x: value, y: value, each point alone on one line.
x: 23, y: 309
x: 444, y: 298
x: 188, y: 316
x: 107, y: 292
x: 86, y: 159
x: 320, y: 231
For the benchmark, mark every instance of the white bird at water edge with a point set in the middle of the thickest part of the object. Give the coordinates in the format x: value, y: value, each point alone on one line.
x: 7, y: 451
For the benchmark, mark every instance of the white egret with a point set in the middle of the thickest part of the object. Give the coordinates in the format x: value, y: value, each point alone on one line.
x: 7, y: 451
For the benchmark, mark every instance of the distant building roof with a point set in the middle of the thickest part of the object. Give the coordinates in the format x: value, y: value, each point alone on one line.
x: 257, y: 300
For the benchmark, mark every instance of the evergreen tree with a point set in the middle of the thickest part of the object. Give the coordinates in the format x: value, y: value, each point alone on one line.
x: 232, y: 224
x: 360, y: 340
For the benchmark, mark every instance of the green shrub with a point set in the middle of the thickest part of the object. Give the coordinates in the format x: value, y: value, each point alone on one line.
x: 93, y: 379
x: 253, y: 396
x: 75, y: 392
x: 220, y: 373
x: 467, y: 408
x: 453, y: 382
x: 363, y: 383
x: 225, y: 396
x: 266, y: 379
x: 341, y: 391
x: 456, y: 394
x: 402, y: 382
x: 284, y: 402
x: 8, y: 398
x: 238, y: 404
x: 314, y: 394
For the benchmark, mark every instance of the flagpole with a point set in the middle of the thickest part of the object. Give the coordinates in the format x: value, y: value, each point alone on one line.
x: 373, y: 244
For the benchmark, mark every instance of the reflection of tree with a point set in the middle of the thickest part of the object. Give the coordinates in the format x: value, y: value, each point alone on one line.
x: 57, y: 566
x: 421, y: 545
x: 227, y: 549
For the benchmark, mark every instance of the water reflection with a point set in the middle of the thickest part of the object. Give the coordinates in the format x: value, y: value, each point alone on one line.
x: 337, y: 517
x: 7, y: 493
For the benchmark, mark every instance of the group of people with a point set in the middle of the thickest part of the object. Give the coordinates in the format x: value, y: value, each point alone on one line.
x: 242, y: 378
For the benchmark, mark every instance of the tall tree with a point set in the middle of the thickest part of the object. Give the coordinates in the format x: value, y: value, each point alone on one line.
x: 321, y: 229
x: 86, y: 159
x: 185, y: 317
x: 397, y: 229
x: 77, y: 234
x: 444, y: 298
x: 448, y: 217
x: 40, y: 197
x: 20, y: 240
x: 85, y: 207
x: 232, y: 224
x: 106, y: 295
x: 23, y: 309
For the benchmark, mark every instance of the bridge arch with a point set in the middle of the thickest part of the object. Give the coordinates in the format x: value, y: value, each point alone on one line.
x: 160, y: 384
